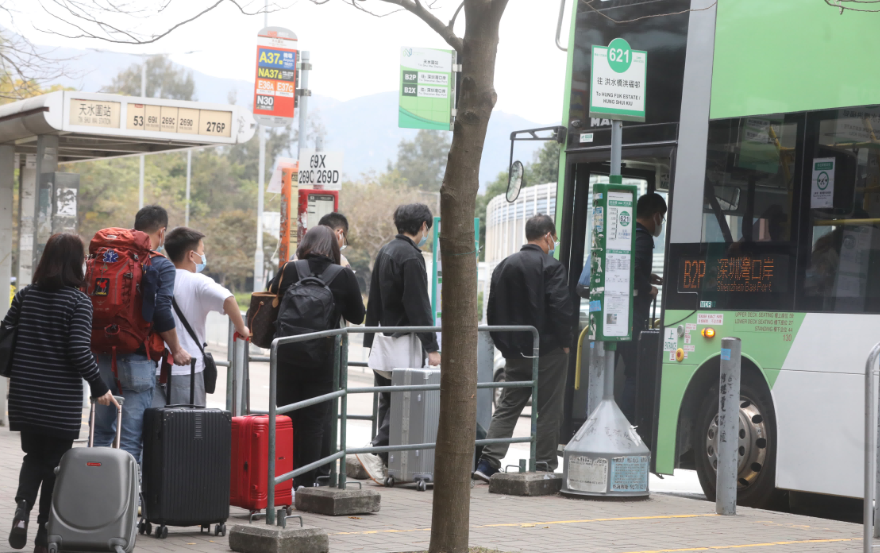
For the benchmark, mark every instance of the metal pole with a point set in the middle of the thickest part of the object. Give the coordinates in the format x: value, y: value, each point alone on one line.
x: 607, y: 351
x: 728, y: 426
x: 334, y: 412
x: 343, y: 384
x: 230, y: 369
x: 870, y: 445
x: 533, y: 445
x: 616, y: 146
x: 877, y: 474
x: 143, y: 95
x: 261, y: 185
x: 270, y: 493
x: 305, y: 67
x: 189, y: 157
x: 238, y: 377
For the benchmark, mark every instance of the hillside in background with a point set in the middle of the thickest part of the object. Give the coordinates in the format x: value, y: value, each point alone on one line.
x: 364, y: 128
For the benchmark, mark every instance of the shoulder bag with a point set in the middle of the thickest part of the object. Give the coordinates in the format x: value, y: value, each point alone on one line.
x: 262, y: 314
x: 8, y: 335
x: 210, y: 374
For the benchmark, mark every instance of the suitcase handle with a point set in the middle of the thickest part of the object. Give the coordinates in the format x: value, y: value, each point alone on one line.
x: 120, y: 400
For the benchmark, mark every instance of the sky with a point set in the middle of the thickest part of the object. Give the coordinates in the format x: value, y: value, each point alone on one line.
x: 353, y: 54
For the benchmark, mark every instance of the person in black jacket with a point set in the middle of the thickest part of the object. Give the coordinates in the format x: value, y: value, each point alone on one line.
x: 52, y: 357
x: 399, y: 297
x: 650, y: 217
x: 530, y: 288
x: 297, y: 381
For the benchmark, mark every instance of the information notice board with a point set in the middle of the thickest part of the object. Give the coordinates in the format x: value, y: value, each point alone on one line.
x: 611, y: 272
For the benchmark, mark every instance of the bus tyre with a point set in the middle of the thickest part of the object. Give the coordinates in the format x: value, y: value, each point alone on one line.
x: 756, y: 476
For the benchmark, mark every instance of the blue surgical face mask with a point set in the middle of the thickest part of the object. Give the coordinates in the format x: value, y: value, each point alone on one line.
x: 553, y: 249
x: 424, y: 240
x: 201, y: 266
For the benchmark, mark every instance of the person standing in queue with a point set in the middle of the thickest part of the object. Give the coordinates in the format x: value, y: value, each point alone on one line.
x: 398, y: 297
x: 530, y: 288
x: 650, y: 218
x: 301, y: 378
x: 52, y: 357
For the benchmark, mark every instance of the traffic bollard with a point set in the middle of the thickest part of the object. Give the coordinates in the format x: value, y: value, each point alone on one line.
x: 728, y: 426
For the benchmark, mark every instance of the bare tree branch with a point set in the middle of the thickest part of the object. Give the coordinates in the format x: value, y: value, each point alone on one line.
x: 846, y: 5
x: 589, y: 4
x: 455, y: 15
x: 445, y: 31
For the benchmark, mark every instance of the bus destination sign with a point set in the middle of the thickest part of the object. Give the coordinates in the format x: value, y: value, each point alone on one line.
x: 743, y: 273
x: 617, y: 86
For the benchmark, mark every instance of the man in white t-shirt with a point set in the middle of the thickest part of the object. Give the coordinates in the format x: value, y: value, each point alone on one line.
x: 195, y: 295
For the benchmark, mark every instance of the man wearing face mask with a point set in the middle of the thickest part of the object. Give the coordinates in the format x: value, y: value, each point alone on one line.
x: 338, y: 223
x: 195, y: 295
x: 650, y: 218
x: 530, y: 288
x: 399, y: 297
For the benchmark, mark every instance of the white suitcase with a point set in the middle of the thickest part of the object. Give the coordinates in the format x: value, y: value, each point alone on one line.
x: 414, y: 420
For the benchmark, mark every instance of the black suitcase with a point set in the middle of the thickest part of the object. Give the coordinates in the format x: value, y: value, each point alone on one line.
x: 186, y: 466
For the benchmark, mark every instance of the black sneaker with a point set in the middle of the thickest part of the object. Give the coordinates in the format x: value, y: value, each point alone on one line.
x: 484, y: 471
x: 18, y: 534
x: 42, y: 539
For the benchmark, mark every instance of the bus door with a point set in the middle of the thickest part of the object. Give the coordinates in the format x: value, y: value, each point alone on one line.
x: 649, y: 170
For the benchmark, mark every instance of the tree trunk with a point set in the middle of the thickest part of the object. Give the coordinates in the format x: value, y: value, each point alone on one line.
x: 458, y: 383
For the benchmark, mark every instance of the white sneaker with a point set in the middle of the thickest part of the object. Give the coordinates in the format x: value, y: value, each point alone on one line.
x: 373, y: 465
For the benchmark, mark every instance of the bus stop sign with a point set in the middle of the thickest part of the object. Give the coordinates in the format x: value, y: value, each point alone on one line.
x: 617, y: 87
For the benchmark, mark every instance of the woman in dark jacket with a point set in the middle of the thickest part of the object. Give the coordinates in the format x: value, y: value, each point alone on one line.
x: 298, y: 379
x: 52, y: 357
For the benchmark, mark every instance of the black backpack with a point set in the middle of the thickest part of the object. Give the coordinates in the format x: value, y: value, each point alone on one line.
x: 308, y: 306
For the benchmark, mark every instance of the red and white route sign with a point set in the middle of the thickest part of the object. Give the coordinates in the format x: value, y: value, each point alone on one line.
x: 275, y: 81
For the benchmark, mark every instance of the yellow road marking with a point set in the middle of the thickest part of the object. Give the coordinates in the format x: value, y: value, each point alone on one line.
x: 532, y: 524
x: 742, y: 546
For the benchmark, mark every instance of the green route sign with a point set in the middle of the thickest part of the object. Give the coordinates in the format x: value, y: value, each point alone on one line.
x: 427, y: 89
x: 611, y: 271
x: 617, y: 86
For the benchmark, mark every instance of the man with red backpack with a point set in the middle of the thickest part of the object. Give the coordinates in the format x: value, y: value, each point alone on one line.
x: 131, y: 286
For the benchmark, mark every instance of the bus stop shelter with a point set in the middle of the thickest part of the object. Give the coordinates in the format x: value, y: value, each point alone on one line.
x: 37, y: 134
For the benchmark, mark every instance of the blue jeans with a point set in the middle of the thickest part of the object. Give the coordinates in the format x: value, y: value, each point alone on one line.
x: 137, y: 376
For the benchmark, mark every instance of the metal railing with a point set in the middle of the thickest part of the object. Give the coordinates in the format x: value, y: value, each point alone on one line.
x: 869, y: 529
x: 341, y: 392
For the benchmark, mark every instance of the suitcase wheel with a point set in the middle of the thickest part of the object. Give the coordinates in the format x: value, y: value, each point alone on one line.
x: 145, y: 528
x: 421, y: 486
x: 162, y: 532
x: 389, y: 482
x: 219, y: 529
x: 53, y: 548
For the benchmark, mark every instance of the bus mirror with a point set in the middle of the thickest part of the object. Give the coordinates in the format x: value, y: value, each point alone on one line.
x: 515, y: 181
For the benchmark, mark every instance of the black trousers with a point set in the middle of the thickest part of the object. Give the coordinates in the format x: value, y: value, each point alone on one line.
x: 308, y: 424
x: 42, y: 454
x: 383, y: 431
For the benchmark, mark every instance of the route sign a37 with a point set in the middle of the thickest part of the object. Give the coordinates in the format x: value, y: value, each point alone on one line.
x: 275, y: 80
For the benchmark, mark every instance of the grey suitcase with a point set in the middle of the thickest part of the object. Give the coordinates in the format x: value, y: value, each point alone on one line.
x: 95, y: 501
x: 414, y: 420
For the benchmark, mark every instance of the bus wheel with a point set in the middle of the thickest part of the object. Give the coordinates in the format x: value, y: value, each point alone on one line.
x: 756, y: 476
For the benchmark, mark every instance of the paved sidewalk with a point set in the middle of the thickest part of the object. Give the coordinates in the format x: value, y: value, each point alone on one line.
x: 548, y: 524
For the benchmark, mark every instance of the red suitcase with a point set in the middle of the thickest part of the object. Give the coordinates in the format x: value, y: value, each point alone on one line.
x: 250, y: 446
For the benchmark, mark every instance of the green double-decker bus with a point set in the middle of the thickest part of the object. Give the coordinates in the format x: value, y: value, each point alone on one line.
x: 763, y: 133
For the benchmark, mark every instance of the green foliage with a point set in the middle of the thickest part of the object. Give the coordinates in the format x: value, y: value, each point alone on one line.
x: 544, y: 169
x: 164, y: 80
x: 422, y: 161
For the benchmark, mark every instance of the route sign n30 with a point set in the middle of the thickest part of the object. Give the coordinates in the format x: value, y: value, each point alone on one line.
x: 275, y: 80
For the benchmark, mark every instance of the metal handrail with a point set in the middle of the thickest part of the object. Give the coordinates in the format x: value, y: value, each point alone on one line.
x: 341, y: 391
x: 870, y: 451
x: 559, y: 25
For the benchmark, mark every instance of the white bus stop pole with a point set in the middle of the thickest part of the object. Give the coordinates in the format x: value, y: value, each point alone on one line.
x: 143, y: 95
x: 189, y: 157
x: 728, y: 426
x: 7, y: 182
x: 305, y: 67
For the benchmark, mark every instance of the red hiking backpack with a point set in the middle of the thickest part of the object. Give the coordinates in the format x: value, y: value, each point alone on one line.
x: 118, y: 259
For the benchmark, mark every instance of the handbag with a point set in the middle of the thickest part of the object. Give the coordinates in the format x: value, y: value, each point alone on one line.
x: 262, y: 314
x: 210, y: 373
x: 8, y: 335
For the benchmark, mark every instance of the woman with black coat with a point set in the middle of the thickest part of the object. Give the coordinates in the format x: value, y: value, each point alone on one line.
x: 298, y: 379
x: 52, y: 356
